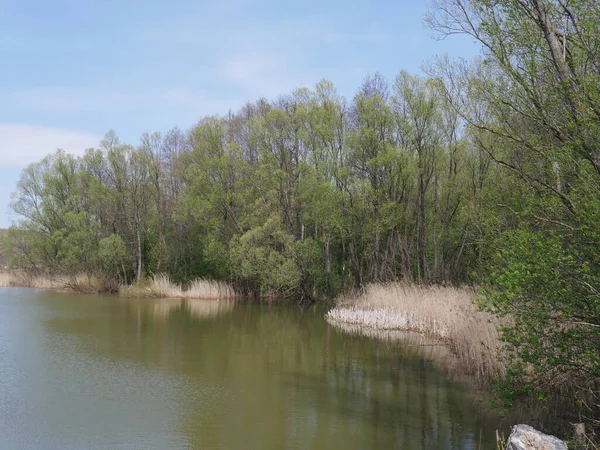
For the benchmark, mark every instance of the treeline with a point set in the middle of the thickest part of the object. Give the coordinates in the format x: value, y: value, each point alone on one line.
x: 305, y: 195
x: 485, y: 171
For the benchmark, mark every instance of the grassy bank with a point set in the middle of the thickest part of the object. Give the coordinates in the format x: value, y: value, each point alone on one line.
x: 469, y: 338
x: 160, y: 286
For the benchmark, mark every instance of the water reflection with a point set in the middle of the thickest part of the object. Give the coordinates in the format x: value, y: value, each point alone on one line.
x: 180, y: 374
x: 161, y: 308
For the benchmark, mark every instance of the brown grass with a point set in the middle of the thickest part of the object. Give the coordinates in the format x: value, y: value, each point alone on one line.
x: 446, y: 313
x: 23, y: 279
x: 5, y: 279
x: 209, y: 289
x: 160, y: 286
x: 75, y: 283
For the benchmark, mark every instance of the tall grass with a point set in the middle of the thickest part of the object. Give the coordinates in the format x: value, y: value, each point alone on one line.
x: 160, y: 286
x: 446, y: 313
x: 75, y: 283
x: 23, y: 279
x: 209, y: 289
x: 5, y: 279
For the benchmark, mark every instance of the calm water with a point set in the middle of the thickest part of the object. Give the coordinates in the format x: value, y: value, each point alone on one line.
x: 101, y: 372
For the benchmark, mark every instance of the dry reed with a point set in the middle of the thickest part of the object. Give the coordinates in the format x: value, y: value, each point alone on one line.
x: 5, y: 279
x: 200, y: 289
x: 160, y: 286
x: 54, y: 282
x: 81, y: 283
x: 447, y: 313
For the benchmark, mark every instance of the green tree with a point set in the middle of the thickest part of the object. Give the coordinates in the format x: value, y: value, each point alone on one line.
x: 532, y: 103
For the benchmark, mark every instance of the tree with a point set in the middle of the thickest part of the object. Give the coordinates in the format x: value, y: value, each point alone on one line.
x: 533, y: 104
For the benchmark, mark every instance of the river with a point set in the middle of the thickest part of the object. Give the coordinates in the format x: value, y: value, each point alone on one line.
x: 91, y: 372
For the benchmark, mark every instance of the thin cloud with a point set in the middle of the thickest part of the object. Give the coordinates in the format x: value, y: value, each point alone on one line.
x: 269, y: 74
x: 22, y: 144
x: 356, y: 37
x: 73, y: 100
x: 65, y: 100
x: 246, y: 68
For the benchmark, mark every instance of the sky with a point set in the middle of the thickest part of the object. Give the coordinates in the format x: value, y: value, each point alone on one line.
x: 72, y: 70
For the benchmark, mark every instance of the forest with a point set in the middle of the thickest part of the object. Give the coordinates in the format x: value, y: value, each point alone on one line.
x: 304, y: 195
x: 483, y: 172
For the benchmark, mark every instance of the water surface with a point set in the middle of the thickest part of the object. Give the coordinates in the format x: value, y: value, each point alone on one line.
x: 102, y: 372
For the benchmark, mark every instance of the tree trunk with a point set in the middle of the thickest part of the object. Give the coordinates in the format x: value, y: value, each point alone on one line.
x: 421, y: 233
x: 552, y: 39
x: 327, y: 268
x: 139, y: 254
x: 355, y: 266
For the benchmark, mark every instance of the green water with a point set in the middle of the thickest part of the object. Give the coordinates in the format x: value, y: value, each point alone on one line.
x: 102, y: 372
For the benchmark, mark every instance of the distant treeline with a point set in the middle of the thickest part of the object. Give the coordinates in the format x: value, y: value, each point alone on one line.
x: 485, y: 171
x: 305, y: 195
x: 4, y: 257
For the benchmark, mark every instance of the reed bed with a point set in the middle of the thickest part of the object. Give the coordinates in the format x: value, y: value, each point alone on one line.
x: 5, y: 279
x: 160, y: 286
x: 209, y: 289
x: 447, y: 313
x: 75, y: 283
x: 22, y: 279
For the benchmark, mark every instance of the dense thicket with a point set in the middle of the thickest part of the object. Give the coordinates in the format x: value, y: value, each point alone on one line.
x: 304, y: 195
x: 484, y: 171
x: 533, y: 103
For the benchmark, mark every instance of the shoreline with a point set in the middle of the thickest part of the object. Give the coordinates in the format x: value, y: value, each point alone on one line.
x: 441, y: 324
x: 469, y: 342
x: 159, y: 286
x: 444, y: 325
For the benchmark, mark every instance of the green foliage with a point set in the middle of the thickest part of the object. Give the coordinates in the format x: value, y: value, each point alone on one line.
x: 305, y: 195
x: 265, y: 257
x: 545, y: 281
x: 76, y: 243
x: 531, y: 104
x: 485, y: 171
x: 113, y: 256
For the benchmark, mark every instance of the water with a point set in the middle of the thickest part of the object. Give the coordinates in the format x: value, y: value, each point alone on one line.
x: 89, y: 372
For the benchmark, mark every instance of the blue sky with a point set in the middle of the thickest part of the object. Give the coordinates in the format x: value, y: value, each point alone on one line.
x: 73, y: 69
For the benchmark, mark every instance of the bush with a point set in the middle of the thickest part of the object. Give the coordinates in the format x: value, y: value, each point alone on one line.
x: 549, y: 283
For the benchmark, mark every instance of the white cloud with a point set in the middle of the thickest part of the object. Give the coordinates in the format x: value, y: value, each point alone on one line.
x: 22, y: 144
x: 245, y: 68
x: 268, y: 74
x: 74, y: 100
x: 68, y: 100
x: 194, y: 102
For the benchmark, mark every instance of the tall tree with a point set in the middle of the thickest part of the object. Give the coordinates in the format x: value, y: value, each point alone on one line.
x: 533, y: 103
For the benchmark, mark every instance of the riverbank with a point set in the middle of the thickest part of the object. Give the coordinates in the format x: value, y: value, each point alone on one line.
x: 159, y: 286
x: 446, y: 327
x: 56, y: 283
x: 469, y: 339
